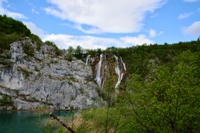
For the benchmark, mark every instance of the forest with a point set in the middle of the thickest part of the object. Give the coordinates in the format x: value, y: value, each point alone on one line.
x: 161, y: 92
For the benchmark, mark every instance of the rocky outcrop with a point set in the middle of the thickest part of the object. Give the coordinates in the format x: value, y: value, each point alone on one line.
x: 39, y: 78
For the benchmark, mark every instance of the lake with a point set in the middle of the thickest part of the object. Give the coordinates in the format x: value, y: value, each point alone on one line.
x: 24, y: 121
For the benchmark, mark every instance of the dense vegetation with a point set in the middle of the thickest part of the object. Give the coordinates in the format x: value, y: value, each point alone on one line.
x: 10, y: 31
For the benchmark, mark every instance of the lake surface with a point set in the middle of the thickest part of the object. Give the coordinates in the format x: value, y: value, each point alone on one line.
x: 25, y: 122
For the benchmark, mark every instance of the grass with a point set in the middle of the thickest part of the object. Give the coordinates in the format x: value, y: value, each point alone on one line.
x: 42, y: 110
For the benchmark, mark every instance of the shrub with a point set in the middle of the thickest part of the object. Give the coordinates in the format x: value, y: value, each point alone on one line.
x: 28, y: 49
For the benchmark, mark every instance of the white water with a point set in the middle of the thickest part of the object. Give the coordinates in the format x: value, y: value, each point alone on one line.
x: 87, y: 59
x: 116, y: 58
x: 117, y: 70
x: 98, y: 73
x: 119, y: 76
x: 123, y: 63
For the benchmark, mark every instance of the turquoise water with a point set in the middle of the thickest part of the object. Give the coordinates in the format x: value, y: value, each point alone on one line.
x: 24, y: 122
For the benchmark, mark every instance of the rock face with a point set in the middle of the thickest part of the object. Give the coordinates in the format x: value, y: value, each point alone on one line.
x: 39, y: 78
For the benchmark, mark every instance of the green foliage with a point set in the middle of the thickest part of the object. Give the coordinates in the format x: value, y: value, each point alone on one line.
x: 70, y: 53
x: 91, y: 52
x: 167, y: 101
x: 6, y: 62
x: 28, y: 49
x: 50, y: 43
x: 6, y: 40
x: 96, y: 119
x: 137, y: 57
x: 36, y: 39
x: 69, y: 57
x: 70, y: 50
x: 9, y: 25
x: 5, y: 58
x: 10, y: 31
x: 7, y: 54
x: 113, y: 50
x: 78, y: 52
x: 25, y: 72
x: 5, y: 100
x: 57, y: 50
x: 99, y: 51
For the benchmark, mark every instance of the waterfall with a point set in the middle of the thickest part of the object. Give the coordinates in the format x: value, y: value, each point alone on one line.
x: 98, y: 73
x: 87, y: 59
x: 117, y: 70
x: 116, y: 58
x: 119, y: 76
x: 123, y: 63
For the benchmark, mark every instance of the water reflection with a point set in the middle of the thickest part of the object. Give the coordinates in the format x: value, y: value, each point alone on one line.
x: 25, y: 122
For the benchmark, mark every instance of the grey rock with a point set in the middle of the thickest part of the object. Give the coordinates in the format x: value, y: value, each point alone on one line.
x: 45, y: 79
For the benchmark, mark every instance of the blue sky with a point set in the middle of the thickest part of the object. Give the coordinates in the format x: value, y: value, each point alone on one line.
x: 105, y: 23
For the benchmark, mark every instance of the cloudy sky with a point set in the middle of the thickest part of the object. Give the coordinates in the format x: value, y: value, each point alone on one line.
x: 105, y: 23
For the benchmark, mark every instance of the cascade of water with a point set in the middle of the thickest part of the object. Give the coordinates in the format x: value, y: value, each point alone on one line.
x: 122, y: 76
x: 117, y: 70
x: 104, y: 69
x: 119, y: 76
x: 98, y: 73
x: 123, y: 63
x: 87, y: 59
x: 116, y: 58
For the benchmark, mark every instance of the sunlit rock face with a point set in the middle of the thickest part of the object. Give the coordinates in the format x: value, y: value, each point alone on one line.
x: 44, y: 79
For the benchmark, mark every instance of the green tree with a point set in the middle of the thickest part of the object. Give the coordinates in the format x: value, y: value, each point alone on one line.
x: 70, y: 53
x: 70, y: 50
x: 168, y: 99
x: 78, y: 52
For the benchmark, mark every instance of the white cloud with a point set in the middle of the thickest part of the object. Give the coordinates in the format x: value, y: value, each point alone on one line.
x: 4, y: 11
x: 64, y: 41
x: 139, y: 40
x: 153, y: 33
x: 34, y: 11
x: 34, y: 29
x: 184, y: 15
x: 93, y: 30
x: 106, y: 15
x: 190, y: 0
x: 193, y: 29
x: 33, y: 8
x: 87, y: 42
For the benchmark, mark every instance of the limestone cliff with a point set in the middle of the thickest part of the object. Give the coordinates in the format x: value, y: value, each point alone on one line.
x: 37, y: 78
